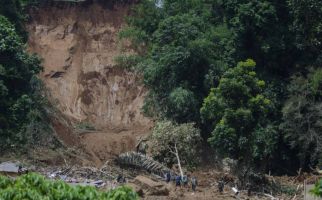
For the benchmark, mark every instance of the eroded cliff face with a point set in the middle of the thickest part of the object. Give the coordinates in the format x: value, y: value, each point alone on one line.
x: 78, y: 44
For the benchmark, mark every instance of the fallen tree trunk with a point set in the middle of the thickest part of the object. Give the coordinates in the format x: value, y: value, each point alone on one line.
x: 142, y: 161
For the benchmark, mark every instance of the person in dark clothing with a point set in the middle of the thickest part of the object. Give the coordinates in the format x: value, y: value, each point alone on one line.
x: 167, y: 177
x: 120, y: 179
x: 194, y: 183
x: 221, y: 185
x: 185, y: 180
x: 178, y: 181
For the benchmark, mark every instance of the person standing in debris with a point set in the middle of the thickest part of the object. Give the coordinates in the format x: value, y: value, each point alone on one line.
x: 120, y: 179
x: 185, y: 180
x: 178, y: 181
x: 167, y: 177
x: 221, y: 185
x: 194, y: 183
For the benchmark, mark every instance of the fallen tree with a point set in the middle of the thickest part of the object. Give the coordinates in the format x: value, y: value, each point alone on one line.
x: 141, y: 161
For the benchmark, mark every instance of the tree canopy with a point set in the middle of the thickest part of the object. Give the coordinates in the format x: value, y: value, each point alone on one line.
x: 190, y: 53
x: 238, y: 109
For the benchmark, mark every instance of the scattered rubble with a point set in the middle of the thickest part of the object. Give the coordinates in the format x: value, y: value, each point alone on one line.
x: 85, y: 176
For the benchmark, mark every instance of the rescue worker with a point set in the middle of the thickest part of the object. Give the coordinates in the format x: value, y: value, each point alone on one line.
x: 120, y: 178
x: 185, y: 180
x: 178, y: 181
x: 168, y: 177
x: 194, y: 183
x: 221, y: 185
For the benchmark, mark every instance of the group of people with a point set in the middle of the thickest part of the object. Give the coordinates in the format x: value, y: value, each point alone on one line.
x: 182, y: 180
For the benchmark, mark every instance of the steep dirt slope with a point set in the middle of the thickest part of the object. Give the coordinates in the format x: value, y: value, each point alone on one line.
x: 78, y: 44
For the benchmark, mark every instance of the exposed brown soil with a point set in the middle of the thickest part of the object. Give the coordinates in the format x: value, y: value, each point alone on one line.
x: 78, y: 45
x: 109, y: 144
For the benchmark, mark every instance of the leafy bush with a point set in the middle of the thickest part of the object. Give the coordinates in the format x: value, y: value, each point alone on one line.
x: 127, y: 61
x: 168, y: 136
x: 35, y: 187
x: 317, y: 190
x: 85, y: 126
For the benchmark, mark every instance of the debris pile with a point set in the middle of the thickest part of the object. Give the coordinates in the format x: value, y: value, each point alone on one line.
x: 85, y: 176
x: 142, y: 161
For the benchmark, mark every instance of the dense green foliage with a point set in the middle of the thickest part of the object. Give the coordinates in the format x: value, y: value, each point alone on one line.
x: 187, y: 50
x: 22, y: 100
x: 185, y: 56
x: 302, y: 117
x: 238, y: 109
x: 35, y: 187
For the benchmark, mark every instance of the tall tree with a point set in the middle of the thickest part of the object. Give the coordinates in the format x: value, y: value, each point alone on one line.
x: 237, y: 109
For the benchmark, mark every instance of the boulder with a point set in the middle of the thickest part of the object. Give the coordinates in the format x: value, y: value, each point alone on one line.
x: 150, y: 187
x: 10, y: 168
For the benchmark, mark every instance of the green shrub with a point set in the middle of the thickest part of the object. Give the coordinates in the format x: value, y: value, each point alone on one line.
x: 85, y: 126
x: 36, y: 187
x: 317, y: 190
x: 127, y: 61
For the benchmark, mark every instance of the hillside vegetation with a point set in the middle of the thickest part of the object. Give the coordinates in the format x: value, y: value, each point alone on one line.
x: 23, y: 106
x: 246, y: 72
